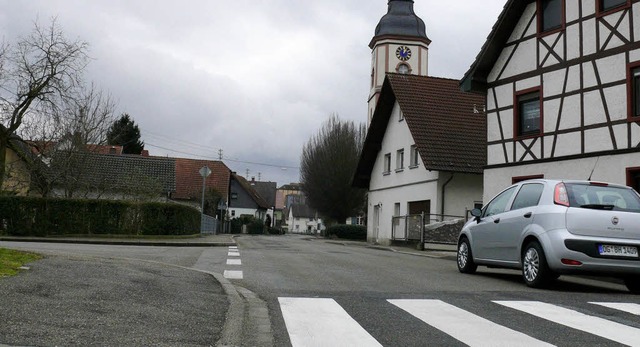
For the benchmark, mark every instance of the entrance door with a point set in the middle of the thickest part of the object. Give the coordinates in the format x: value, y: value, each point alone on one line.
x: 417, y: 207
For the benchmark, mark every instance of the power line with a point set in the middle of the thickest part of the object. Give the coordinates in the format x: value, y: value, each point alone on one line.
x: 227, y: 159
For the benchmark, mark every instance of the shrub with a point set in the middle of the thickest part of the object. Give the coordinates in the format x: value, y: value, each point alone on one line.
x: 348, y: 232
x: 29, y: 216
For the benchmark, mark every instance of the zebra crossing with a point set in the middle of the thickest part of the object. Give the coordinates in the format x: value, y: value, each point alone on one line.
x: 324, y: 322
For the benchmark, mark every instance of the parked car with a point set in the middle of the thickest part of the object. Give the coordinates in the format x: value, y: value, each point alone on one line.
x: 548, y: 228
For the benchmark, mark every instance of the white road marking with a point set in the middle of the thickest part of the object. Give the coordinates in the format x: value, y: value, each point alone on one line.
x: 233, y: 248
x: 625, y: 307
x: 233, y: 275
x: 594, y: 325
x: 322, y: 322
x: 233, y: 254
x: 234, y: 262
x: 465, y: 326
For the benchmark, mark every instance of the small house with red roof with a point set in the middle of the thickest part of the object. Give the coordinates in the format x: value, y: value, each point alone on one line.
x: 189, y: 182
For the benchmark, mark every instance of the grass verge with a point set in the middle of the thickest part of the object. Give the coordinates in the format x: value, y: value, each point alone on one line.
x: 11, y: 261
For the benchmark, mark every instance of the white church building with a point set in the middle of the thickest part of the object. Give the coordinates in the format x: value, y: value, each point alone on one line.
x: 425, y: 147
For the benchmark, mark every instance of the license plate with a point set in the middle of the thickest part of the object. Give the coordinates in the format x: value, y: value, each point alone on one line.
x: 618, y: 251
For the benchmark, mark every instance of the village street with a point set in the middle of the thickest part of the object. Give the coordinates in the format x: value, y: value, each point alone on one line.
x: 318, y: 292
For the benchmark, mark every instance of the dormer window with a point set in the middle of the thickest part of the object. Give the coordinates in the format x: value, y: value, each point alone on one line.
x: 551, y: 15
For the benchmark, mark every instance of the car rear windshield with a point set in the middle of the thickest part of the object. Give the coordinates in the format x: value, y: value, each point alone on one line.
x: 603, y: 197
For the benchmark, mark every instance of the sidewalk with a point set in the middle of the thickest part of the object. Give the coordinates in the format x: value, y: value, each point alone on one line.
x: 431, y: 250
x: 222, y: 240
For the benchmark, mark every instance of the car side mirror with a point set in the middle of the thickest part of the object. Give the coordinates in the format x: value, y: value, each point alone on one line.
x: 476, y: 212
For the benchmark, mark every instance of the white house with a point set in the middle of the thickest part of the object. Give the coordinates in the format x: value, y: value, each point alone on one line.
x: 563, y: 92
x: 425, y: 147
x: 424, y: 152
x: 301, y: 219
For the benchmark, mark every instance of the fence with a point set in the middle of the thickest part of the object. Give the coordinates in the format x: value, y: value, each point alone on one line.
x: 431, y: 228
x: 209, y: 225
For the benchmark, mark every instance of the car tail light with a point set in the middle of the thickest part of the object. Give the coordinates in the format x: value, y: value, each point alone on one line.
x: 599, y: 184
x: 560, y: 196
x: 571, y: 262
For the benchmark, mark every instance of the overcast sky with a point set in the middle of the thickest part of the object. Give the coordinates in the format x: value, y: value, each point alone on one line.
x: 254, y: 78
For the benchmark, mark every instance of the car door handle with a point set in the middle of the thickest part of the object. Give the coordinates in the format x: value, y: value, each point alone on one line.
x: 497, y: 220
x: 528, y: 215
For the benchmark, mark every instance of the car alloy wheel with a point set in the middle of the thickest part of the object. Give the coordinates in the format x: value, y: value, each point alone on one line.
x: 531, y: 264
x: 535, y: 271
x: 465, y: 259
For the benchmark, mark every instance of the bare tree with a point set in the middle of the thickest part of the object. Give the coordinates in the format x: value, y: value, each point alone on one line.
x: 328, y: 163
x: 73, y: 129
x: 35, y: 75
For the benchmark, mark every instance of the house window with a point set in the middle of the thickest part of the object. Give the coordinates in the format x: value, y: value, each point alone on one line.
x: 414, y: 156
x: 528, y: 115
x: 633, y: 178
x: 387, y: 164
x: 396, y: 209
x: 400, y: 160
x: 234, y: 195
x: 551, y: 15
x: 606, y: 5
x: 633, y: 85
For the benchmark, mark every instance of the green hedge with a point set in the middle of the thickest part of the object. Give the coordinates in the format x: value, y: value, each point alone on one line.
x: 348, y: 232
x: 28, y: 216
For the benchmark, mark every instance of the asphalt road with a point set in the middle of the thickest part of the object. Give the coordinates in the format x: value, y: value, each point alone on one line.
x: 366, y: 281
x: 83, y: 296
x: 120, y: 295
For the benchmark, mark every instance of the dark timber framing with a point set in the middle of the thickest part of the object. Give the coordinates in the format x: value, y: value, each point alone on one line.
x: 614, y: 35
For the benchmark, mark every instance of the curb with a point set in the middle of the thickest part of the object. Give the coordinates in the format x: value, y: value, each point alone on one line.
x: 121, y: 242
x: 248, y: 322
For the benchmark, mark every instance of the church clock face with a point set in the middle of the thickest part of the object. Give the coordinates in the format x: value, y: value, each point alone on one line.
x: 403, y: 53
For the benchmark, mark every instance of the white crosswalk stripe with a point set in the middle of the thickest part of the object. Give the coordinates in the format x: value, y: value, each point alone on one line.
x: 625, y: 307
x: 323, y: 322
x: 464, y: 326
x: 594, y: 325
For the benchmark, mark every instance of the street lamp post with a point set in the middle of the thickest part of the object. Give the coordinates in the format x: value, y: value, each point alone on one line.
x: 204, y: 172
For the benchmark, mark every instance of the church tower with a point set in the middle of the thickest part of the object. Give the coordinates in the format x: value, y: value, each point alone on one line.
x: 400, y: 45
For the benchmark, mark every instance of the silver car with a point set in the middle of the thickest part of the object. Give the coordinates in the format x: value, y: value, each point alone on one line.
x: 549, y: 227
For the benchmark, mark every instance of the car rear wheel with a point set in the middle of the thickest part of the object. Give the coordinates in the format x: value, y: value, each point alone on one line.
x: 633, y: 284
x: 535, y: 271
x: 465, y: 258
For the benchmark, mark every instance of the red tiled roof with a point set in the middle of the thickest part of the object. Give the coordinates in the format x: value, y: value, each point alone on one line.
x: 189, y: 181
x: 449, y: 135
x: 440, y: 117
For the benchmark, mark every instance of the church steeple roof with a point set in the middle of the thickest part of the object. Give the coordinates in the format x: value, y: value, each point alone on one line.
x: 401, y: 21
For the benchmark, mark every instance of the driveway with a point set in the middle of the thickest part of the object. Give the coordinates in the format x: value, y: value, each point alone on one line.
x: 104, y: 302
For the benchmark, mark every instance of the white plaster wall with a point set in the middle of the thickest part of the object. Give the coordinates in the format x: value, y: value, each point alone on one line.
x: 589, y: 36
x: 611, y: 69
x: 387, y: 198
x: 461, y: 193
x: 523, y: 28
x: 523, y: 60
x: 397, y: 137
x: 610, y: 169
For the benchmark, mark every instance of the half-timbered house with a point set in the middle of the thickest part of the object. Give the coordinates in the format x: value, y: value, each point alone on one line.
x: 562, y: 80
